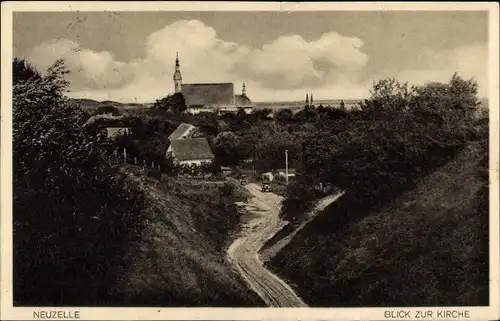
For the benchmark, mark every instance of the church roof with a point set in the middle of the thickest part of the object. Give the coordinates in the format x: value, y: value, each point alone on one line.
x: 192, y: 149
x: 208, y: 94
x: 181, y: 130
x: 240, y: 100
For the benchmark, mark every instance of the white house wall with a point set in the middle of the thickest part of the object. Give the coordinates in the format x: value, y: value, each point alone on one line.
x: 197, y: 162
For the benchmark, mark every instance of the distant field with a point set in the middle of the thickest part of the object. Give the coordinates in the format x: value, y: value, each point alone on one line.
x: 299, y: 104
x: 92, y: 104
x: 349, y: 103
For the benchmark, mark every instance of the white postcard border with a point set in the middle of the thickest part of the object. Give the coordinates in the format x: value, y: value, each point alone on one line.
x: 8, y: 312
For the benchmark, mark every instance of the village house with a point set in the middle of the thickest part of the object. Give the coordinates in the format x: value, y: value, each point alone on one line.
x: 280, y: 174
x: 111, y: 125
x: 191, y: 151
x: 187, y: 150
x: 267, y: 176
x: 182, y: 131
x: 114, y: 132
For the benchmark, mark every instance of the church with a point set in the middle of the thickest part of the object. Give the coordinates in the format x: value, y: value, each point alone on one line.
x: 211, y: 97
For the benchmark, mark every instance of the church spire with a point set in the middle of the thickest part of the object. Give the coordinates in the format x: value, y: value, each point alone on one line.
x: 307, y: 99
x: 312, y: 101
x: 177, y: 75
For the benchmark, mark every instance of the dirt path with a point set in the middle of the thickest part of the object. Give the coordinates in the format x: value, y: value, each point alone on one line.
x: 243, y: 253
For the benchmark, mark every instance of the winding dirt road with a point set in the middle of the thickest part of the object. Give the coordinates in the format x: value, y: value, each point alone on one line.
x: 265, y: 223
x: 243, y: 252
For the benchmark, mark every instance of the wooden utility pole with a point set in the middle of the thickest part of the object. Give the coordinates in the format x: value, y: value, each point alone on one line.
x: 286, y: 165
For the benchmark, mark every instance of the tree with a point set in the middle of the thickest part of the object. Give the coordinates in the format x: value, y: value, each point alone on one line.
x: 208, y: 124
x: 175, y: 103
x: 261, y: 114
x: 308, y: 114
x: 73, y: 212
x: 389, y: 95
x: 178, y: 103
x: 284, y: 115
x: 23, y: 71
x: 241, y: 112
x: 401, y: 133
x: 227, y: 148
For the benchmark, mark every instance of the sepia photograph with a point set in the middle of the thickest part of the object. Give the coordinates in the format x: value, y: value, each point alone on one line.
x: 285, y: 156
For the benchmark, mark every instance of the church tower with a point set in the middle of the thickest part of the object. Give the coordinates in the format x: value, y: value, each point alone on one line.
x: 177, y: 75
x: 312, y: 101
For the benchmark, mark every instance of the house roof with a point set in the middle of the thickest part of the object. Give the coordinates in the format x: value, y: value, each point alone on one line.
x: 179, y: 131
x: 95, y: 118
x: 240, y: 100
x: 208, y: 94
x: 115, y: 131
x: 192, y: 149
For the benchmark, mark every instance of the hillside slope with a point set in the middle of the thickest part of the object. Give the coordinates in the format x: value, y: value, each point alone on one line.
x: 180, y: 260
x: 427, y: 247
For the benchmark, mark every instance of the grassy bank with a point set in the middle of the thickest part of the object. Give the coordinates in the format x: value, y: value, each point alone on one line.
x: 180, y: 260
x: 429, y: 246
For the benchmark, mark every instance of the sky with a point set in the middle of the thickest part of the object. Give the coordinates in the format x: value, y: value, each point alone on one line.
x: 130, y: 56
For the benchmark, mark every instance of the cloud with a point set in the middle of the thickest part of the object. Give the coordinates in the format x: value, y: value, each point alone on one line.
x: 290, y: 62
x: 88, y: 69
x: 283, y: 69
x: 286, y: 64
x: 469, y: 61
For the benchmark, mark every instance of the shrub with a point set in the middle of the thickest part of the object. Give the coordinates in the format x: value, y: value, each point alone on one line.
x: 73, y: 211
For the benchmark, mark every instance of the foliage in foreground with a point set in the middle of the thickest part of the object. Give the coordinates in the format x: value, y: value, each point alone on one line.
x: 88, y: 233
x: 73, y: 213
x: 427, y: 247
x: 180, y: 258
x: 413, y: 163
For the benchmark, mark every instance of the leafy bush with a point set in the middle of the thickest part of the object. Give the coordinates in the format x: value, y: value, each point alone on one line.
x: 400, y: 134
x: 175, y: 103
x: 298, y: 199
x: 211, y: 168
x: 415, y: 207
x: 73, y: 212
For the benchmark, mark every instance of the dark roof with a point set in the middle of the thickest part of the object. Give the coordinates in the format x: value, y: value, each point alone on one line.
x: 95, y: 118
x: 192, y: 149
x: 240, y: 100
x: 116, y: 131
x: 208, y: 94
x: 179, y: 131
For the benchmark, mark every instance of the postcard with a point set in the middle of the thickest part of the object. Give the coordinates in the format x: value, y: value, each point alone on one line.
x: 249, y: 161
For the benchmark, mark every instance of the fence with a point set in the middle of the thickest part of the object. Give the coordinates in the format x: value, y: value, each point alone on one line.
x: 209, y: 172
x: 121, y: 157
